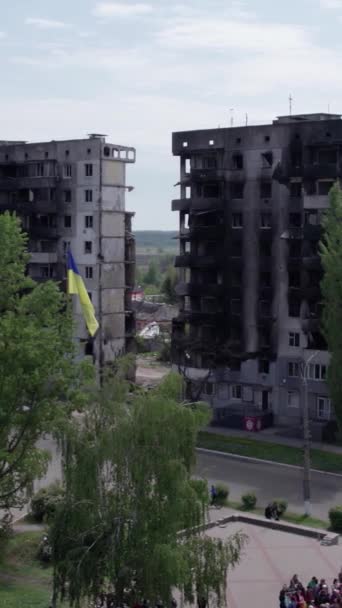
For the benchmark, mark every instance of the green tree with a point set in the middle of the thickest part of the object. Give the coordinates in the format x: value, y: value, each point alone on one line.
x: 38, y: 379
x: 168, y: 286
x: 152, y: 276
x: 129, y: 496
x: 331, y: 257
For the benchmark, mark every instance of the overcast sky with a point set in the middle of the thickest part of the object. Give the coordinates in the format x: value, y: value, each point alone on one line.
x: 139, y: 70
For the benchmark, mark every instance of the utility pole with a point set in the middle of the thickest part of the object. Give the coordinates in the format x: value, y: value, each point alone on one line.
x: 306, y: 438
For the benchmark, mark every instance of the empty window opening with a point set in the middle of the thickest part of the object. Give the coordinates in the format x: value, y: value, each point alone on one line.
x: 238, y: 140
x: 235, y: 365
x: 88, y: 168
x: 67, y: 152
x: 296, y: 189
x: 293, y: 399
x: 67, y: 221
x: 267, y: 138
x: 294, y: 307
x: 237, y: 220
x: 267, y: 159
x: 237, y: 189
x: 88, y: 221
x: 46, y: 155
x: 327, y: 157
x: 294, y: 279
x: 293, y: 369
x: 264, y: 366
x: 89, y: 348
x: 236, y: 391
x: 265, y: 308
x: 265, y: 250
x: 324, y: 187
x: 236, y: 279
x: 67, y: 196
x: 187, y: 165
x: 106, y: 151
x: 89, y: 272
x: 88, y: 195
x: 88, y: 246
x: 265, y: 279
x: 188, y: 192
x: 185, y: 144
x: 236, y: 249
x: 211, y: 190
x: 266, y: 190
x: 295, y: 220
x: 211, y: 142
x: 295, y: 249
x: 66, y: 246
x: 237, y: 161
x: 209, y: 388
x: 265, y: 220
x: 294, y: 339
x: 236, y: 307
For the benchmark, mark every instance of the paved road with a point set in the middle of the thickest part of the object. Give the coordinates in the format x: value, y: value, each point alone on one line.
x: 267, y: 481
x: 271, y: 481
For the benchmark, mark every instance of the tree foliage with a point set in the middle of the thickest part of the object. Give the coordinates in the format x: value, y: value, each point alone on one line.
x: 152, y: 276
x: 168, y: 286
x: 38, y: 379
x: 331, y: 257
x: 129, y: 496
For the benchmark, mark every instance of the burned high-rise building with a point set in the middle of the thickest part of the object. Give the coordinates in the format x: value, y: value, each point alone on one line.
x: 72, y: 194
x: 250, y: 207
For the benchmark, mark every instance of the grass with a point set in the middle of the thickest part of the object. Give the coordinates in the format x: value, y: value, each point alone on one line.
x: 293, y: 518
x: 23, y: 581
x: 324, y: 461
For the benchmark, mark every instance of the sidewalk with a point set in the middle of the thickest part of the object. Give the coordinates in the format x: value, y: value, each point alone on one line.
x: 271, y: 436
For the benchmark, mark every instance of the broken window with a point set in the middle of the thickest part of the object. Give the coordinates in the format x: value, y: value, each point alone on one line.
x: 265, y: 220
x: 267, y: 159
x: 88, y: 247
x: 295, y: 189
x: 237, y: 162
x: 294, y: 307
x: 264, y: 366
x: 265, y: 279
x: 266, y: 190
x: 237, y: 220
x: 236, y: 189
x: 324, y: 187
x: 295, y: 249
x: 295, y: 220
x: 294, y: 279
x: 265, y: 249
x: 327, y: 157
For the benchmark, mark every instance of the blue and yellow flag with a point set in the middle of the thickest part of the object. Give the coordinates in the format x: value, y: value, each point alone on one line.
x: 76, y: 285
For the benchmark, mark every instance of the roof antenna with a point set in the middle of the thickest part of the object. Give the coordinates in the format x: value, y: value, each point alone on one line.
x: 328, y: 108
x: 231, y: 110
x: 246, y: 120
x: 290, y: 104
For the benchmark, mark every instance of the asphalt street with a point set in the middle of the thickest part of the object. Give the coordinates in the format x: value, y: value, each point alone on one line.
x: 266, y: 480
x: 271, y: 481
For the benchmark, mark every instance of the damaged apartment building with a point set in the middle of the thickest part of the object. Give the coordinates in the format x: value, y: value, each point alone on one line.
x: 72, y: 194
x: 250, y: 207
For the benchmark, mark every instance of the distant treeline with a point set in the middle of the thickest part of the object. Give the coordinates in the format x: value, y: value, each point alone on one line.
x: 156, y: 239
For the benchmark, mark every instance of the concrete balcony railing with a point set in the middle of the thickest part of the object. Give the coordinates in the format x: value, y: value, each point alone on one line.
x: 42, y: 258
x: 316, y: 201
x: 188, y: 260
x: 198, y: 289
x: 197, y: 204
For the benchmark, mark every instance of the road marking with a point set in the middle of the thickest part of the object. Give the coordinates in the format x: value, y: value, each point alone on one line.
x: 261, y: 461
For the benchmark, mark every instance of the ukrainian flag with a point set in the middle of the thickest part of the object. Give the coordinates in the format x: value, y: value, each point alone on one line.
x: 77, y: 286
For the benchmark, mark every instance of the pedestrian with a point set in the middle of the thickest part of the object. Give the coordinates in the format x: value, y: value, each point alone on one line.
x: 213, y: 494
x: 282, y: 597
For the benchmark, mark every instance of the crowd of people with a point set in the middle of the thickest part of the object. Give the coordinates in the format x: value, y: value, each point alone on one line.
x: 316, y: 593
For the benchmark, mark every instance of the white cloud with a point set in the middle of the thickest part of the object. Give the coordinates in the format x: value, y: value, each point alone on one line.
x: 46, y: 24
x: 331, y: 4
x: 118, y: 9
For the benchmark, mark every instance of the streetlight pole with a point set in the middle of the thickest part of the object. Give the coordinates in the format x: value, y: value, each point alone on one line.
x: 306, y: 438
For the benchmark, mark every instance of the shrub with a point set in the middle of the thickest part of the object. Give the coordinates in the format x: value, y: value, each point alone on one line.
x: 335, y: 516
x: 249, y: 501
x: 281, y: 505
x: 222, y: 493
x: 45, y: 502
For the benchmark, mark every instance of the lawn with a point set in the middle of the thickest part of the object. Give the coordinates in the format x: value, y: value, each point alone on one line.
x: 293, y: 518
x: 324, y: 461
x: 23, y: 581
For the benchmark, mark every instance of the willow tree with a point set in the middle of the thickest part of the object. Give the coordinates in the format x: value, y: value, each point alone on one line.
x: 331, y: 257
x: 132, y: 515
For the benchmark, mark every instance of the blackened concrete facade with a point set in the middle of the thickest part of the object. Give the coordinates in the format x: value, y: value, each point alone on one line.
x: 72, y: 194
x: 250, y: 208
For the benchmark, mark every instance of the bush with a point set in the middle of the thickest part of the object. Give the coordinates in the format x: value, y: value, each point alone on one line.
x: 45, y: 502
x: 249, y: 501
x: 335, y: 516
x: 281, y: 505
x: 222, y: 493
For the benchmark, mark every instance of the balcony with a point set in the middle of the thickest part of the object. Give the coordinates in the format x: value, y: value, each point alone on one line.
x: 189, y: 260
x: 311, y: 293
x: 200, y: 317
x: 42, y: 258
x: 197, y: 290
x: 197, y: 204
x: 294, y: 263
x: 43, y: 232
x: 315, y: 171
x: 206, y: 233
x: 316, y: 201
x: 311, y: 326
x: 312, y: 263
x: 203, y: 175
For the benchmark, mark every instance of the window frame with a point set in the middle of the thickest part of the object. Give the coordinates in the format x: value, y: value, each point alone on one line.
x: 86, y: 243
x: 88, y: 169
x: 235, y: 389
x: 294, y: 336
x: 327, y: 405
x: 295, y: 367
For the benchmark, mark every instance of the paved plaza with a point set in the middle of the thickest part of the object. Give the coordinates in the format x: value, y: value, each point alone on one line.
x: 270, y: 559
